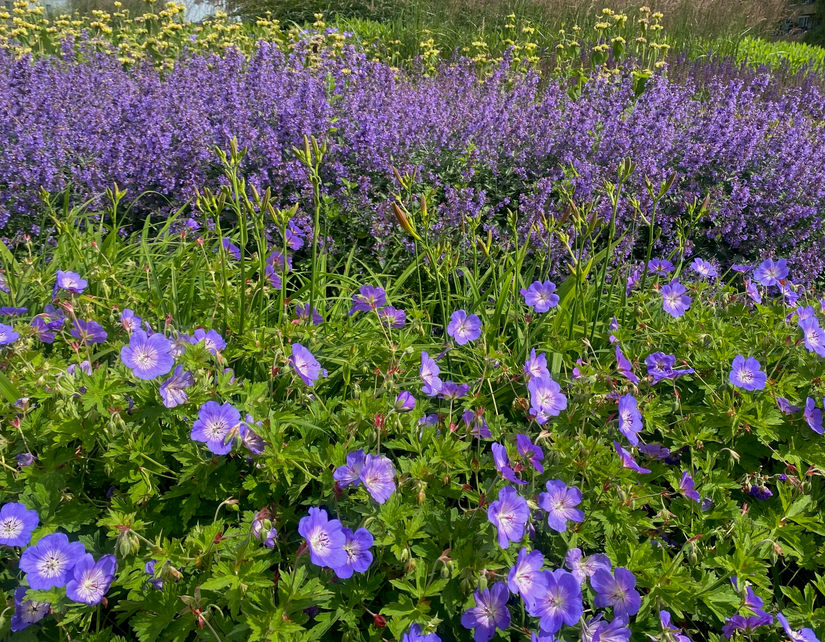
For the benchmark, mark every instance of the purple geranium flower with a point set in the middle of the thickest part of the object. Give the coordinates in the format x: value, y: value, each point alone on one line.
x: 351, y: 472
x: 627, y: 459
x: 404, y: 402
x: 377, y: 476
x: 489, y: 614
x: 802, y: 635
x: 674, y: 300
x: 814, y: 335
x: 703, y: 268
x: 267, y: 535
x: 249, y: 438
x: 49, y: 564
x: 173, y: 390
x: 660, y: 367
x: 624, y: 367
x: 509, y: 514
x: 452, y: 391
x: 368, y: 298
x: 746, y: 374
x: 305, y: 364
x: 325, y: 539
x: 464, y: 328
x: 813, y: 416
x: 7, y: 335
x: 357, y: 549
x: 88, y: 332
x: 741, y: 268
x: 393, y: 318
x: 502, y: 463
x: 530, y: 452
x: 560, y: 503
x: 213, y: 425
x: 686, y: 486
x: 91, y: 580
x: 753, y: 292
x: 786, y: 406
x: 536, y: 366
x: 477, y: 424
x: 617, y: 590
x: 615, y: 631
x: 561, y: 602
x: 84, y: 367
x: 41, y: 329
x: 790, y: 292
x: 415, y: 635
x: 24, y: 459
x: 213, y: 341
x: 745, y: 624
x: 540, y: 296
x: 26, y: 612
x: 664, y: 618
x: 9, y: 311
x: 16, y: 524
x: 654, y: 451
x: 429, y: 374
x: 526, y: 577
x: 630, y: 419
x: 660, y: 267
x: 233, y: 250
x: 546, y: 398
x: 770, y: 273
x: 69, y: 281
x: 761, y: 492
x: 129, y: 320
x: 302, y: 311
x: 147, y: 357
x: 584, y: 567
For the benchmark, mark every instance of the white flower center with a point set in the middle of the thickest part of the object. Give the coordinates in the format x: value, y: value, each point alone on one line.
x: 11, y: 527
x: 52, y: 564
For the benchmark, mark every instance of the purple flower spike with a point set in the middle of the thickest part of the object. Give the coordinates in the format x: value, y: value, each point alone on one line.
x: 350, y: 474
x: 8, y: 335
x: 26, y: 612
x: 88, y: 332
x: 147, y: 357
x: 404, y: 402
x: 377, y: 476
x: 509, y: 514
x: 213, y: 341
x: 415, y: 635
x: 813, y: 416
x: 325, y: 539
x: 617, y: 590
x: 536, y: 366
x: 429, y: 375
x: 393, y: 318
x: 560, y: 503
x: 173, y: 390
x: 814, y: 335
x: 624, y: 367
x: 802, y: 635
x: 526, y: 577
x: 703, y: 268
x: 530, y: 452
x: 561, y: 603
x: 770, y: 273
x: 675, y: 301
x: 49, y: 564
x: 69, y: 281
x: 464, y: 328
x: 686, y: 487
x: 357, y: 549
x: 627, y: 459
x: 368, y: 298
x: 540, y: 296
x: 307, y: 367
x: 489, y: 614
x: 91, y: 580
x: 630, y: 419
x: 213, y: 425
x: 16, y: 524
x: 584, y: 567
x: 746, y: 374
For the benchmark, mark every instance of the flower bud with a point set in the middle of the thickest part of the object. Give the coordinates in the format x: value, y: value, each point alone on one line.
x: 380, y: 621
